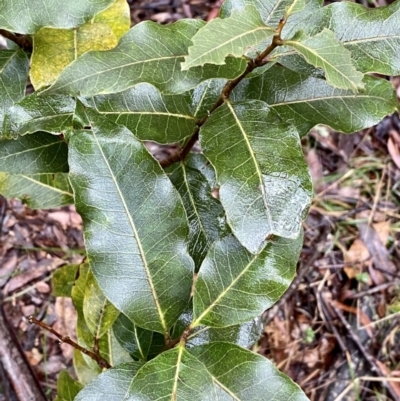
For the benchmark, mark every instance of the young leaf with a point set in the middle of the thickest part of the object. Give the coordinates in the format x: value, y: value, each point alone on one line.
x: 375, y: 41
x: 205, y: 213
x: 99, y: 313
x: 265, y: 186
x: 306, y: 101
x: 63, y: 280
x: 325, y: 51
x: 148, y: 113
x: 28, y: 17
x: 67, y: 387
x: 38, y: 191
x: 242, y: 375
x: 127, y: 202
x: 229, y: 36
x: 33, y: 154
x: 111, y: 385
x: 51, y: 114
x: 234, y: 286
x: 149, y: 52
x: 140, y: 343
x: 14, y: 67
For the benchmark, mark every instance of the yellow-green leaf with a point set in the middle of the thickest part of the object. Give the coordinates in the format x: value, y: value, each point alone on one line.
x: 117, y: 17
x: 54, y: 49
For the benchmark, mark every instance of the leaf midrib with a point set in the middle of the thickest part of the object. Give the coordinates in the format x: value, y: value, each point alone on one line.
x: 41, y: 183
x: 136, y: 236
x: 318, y: 56
x: 223, y: 293
x: 214, y: 49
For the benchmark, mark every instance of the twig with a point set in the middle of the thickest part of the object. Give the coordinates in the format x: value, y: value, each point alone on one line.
x: 252, y: 64
x: 374, y: 366
x: 65, y: 339
x: 22, y: 41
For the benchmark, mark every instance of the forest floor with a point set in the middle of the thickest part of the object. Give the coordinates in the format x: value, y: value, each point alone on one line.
x: 336, y: 331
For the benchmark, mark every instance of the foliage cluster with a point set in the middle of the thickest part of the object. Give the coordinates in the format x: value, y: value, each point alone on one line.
x: 183, y: 254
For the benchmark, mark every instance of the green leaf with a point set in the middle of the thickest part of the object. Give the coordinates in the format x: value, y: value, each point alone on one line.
x: 242, y: 375
x: 245, y: 334
x: 204, y: 212
x: 173, y: 375
x: 295, y: 7
x: 375, y: 39
x: 306, y: 101
x: 228, y: 36
x: 38, y: 153
x: 141, y: 56
x: 63, y: 280
x: 265, y: 186
x: 86, y: 370
x: 111, y: 385
x: 148, y: 113
x: 99, y: 313
x: 140, y: 343
x: 67, y: 387
x: 51, y: 114
x: 38, y: 191
x: 234, y: 286
x: 127, y: 202
x: 271, y: 11
x: 28, y: 17
x: 111, y: 350
x: 325, y: 51
x: 14, y: 65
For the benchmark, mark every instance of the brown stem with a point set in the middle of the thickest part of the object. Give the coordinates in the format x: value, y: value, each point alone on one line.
x: 22, y: 41
x: 65, y: 339
x: 252, y: 64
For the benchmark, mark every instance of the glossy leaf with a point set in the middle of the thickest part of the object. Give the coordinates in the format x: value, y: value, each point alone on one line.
x: 173, y: 375
x: 148, y: 113
x: 325, y: 51
x: 306, y: 101
x: 111, y: 350
x: 265, y: 186
x: 149, y: 52
x: 127, y: 202
x: 111, y: 385
x: 375, y: 39
x: 67, y: 387
x: 204, y: 212
x: 63, y: 280
x: 28, y: 17
x: 38, y: 191
x: 234, y: 286
x: 51, y: 114
x: 228, y: 36
x: 245, y: 334
x: 14, y: 67
x: 33, y: 154
x: 99, y: 313
x: 140, y: 343
x: 242, y: 375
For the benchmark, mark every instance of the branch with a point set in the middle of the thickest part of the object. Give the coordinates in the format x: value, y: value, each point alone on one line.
x: 65, y: 339
x: 252, y: 64
x: 22, y: 41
